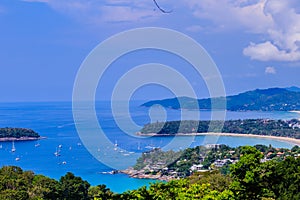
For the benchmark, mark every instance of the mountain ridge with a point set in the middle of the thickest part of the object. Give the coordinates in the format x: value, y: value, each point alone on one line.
x: 271, y: 99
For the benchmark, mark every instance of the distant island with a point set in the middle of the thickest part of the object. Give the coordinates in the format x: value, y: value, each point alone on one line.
x: 263, y: 127
x: 272, y: 99
x: 22, y: 134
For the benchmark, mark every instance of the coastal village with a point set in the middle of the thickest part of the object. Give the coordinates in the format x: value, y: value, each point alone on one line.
x: 156, y: 164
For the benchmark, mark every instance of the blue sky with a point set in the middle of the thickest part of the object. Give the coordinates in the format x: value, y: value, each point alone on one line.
x: 254, y: 43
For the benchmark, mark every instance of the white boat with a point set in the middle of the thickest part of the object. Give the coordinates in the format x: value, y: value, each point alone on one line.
x: 116, y: 145
x: 17, y: 159
x: 149, y: 147
x: 57, y: 152
x: 37, y: 144
x: 13, y: 148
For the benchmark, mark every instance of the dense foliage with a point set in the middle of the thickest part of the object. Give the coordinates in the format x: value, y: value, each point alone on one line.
x: 249, y: 179
x: 18, y: 184
x: 284, y: 128
x: 17, y: 133
x: 272, y: 99
x: 169, y: 164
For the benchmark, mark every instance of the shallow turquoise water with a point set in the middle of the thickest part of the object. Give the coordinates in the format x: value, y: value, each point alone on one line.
x: 55, y: 121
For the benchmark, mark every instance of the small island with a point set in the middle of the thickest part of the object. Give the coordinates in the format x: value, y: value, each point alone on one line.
x: 18, y: 134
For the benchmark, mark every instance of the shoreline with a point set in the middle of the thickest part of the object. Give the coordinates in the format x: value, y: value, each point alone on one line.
x: 286, y: 139
x: 9, y: 139
x: 295, y: 111
x: 132, y: 173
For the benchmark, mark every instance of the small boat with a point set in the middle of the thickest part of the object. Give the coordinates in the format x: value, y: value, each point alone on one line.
x: 37, y: 144
x: 79, y: 144
x: 60, y: 146
x: 149, y: 147
x: 17, y: 159
x: 13, y: 149
x: 110, y: 172
x: 64, y: 162
x: 116, y: 145
x: 57, y: 152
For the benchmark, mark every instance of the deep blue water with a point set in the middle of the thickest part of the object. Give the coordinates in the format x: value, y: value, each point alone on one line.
x: 55, y: 121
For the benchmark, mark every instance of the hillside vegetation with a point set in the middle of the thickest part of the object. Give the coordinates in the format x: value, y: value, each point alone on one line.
x: 272, y: 99
x: 17, y: 133
x: 283, y: 128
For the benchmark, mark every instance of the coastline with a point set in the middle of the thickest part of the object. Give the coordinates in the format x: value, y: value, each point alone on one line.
x: 9, y: 139
x: 141, y: 175
x: 295, y: 111
x: 286, y: 139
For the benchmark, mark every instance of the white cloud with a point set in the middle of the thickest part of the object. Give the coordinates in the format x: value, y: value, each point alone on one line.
x: 270, y: 70
x: 228, y: 14
x: 284, y: 36
x: 267, y: 51
x: 276, y: 20
x: 94, y: 11
x: 125, y: 13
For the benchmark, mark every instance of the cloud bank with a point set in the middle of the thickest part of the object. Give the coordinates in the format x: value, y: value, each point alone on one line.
x: 276, y: 21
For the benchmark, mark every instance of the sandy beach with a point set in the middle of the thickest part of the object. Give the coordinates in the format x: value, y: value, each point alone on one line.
x: 286, y: 139
x: 295, y: 111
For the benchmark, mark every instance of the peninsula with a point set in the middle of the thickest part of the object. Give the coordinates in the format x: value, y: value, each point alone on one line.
x: 260, y: 127
x: 170, y: 165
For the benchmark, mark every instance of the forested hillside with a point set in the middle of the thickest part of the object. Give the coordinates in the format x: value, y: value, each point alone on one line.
x: 284, y: 128
x: 272, y: 99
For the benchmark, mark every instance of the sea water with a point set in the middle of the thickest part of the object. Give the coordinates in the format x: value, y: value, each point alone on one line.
x: 54, y: 120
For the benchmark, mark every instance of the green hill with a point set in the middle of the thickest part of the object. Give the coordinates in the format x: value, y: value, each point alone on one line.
x: 17, y: 133
x: 272, y: 99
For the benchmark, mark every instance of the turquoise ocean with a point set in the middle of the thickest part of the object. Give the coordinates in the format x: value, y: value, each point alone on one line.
x: 54, y: 120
